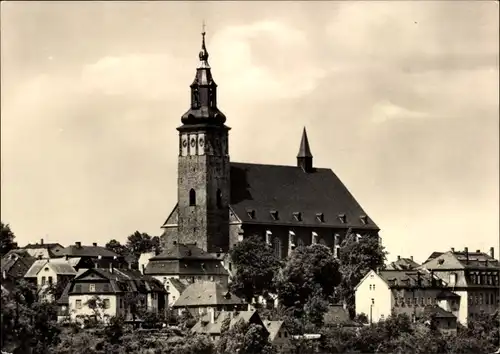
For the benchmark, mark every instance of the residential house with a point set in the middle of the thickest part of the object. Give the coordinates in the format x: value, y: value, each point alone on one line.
x: 49, y: 273
x: 205, y: 296
x: 379, y: 294
x: 188, y: 263
x: 44, y: 250
x: 175, y: 287
x: 14, y: 265
x: 444, y: 320
x: 278, y: 334
x: 211, y: 323
x: 402, y: 264
x: 338, y: 316
x: 101, y: 257
x: 474, y: 276
x: 115, y: 288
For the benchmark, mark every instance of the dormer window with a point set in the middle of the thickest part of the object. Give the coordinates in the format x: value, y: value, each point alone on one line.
x: 251, y: 213
x: 364, y: 219
x: 342, y: 218
x: 274, y: 214
x: 297, y: 215
x: 320, y: 217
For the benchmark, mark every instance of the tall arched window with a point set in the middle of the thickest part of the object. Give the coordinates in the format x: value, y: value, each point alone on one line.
x: 277, y: 247
x: 219, y: 199
x: 192, y: 197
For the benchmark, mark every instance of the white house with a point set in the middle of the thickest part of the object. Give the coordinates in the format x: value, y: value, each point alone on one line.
x: 379, y: 294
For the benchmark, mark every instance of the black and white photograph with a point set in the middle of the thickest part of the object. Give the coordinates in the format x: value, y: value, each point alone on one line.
x: 252, y: 177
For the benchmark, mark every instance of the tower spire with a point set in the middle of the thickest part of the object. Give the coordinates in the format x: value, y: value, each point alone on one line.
x: 203, y: 108
x: 305, y: 157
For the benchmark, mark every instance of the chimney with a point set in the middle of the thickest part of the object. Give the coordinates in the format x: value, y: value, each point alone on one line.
x: 143, y: 268
x: 399, y: 258
x: 478, y: 251
x: 94, y: 244
x: 111, y: 267
x: 453, y: 249
x: 212, y: 315
x: 466, y: 251
x: 492, y: 252
x: 78, y: 244
x: 14, y: 245
x: 41, y: 241
x: 411, y: 257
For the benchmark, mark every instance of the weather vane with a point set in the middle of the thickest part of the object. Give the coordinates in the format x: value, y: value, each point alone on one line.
x: 203, y: 27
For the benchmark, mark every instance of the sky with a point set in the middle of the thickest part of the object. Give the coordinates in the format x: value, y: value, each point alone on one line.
x: 399, y: 98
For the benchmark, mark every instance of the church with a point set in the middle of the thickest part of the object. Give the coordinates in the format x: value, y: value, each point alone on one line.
x: 220, y: 202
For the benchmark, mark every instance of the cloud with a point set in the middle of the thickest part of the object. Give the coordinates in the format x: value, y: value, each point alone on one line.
x: 384, y: 111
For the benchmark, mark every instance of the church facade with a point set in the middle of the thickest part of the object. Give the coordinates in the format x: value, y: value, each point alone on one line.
x: 221, y: 202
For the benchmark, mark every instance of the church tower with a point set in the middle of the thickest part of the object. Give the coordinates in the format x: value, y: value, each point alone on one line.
x: 203, y: 169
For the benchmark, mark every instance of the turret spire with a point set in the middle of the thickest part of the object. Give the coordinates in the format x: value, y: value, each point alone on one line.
x: 304, y: 157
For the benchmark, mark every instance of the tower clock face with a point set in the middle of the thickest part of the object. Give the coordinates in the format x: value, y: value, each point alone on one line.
x: 201, y: 142
x: 184, y: 143
x: 193, y: 142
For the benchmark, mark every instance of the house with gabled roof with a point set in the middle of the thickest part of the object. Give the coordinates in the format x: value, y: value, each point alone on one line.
x: 402, y: 264
x: 381, y: 293
x: 205, y: 296
x: 474, y: 276
x: 211, y: 324
x: 279, y: 335
x: 113, y: 287
x: 221, y: 202
x: 51, y: 275
x: 101, y: 257
x: 14, y: 265
x: 44, y: 250
x: 188, y: 264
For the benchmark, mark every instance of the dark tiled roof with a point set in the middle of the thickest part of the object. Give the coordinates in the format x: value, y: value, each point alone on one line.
x: 184, y: 252
x: 177, y: 284
x: 206, y: 327
x: 122, y: 279
x: 44, y: 245
x: 447, y: 294
x: 287, y: 190
x: 186, y: 267
x: 16, y: 262
x: 462, y: 260
x: 403, y: 264
x: 337, y: 315
x: 405, y: 278
x: 88, y: 251
x: 206, y: 293
x: 438, y: 312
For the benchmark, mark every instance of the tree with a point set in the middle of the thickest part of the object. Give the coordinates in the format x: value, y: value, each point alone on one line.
x: 256, y: 266
x: 116, y: 247
x: 140, y: 242
x: 245, y: 338
x: 7, y: 239
x: 27, y: 321
x: 309, y: 273
x: 357, y: 257
x: 135, y: 303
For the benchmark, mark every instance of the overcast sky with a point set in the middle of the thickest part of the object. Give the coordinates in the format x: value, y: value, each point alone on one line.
x: 400, y: 99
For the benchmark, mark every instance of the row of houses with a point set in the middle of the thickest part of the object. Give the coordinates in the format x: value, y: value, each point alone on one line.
x: 449, y: 286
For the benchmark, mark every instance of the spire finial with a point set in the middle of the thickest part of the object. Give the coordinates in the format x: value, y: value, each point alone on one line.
x: 203, y: 53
